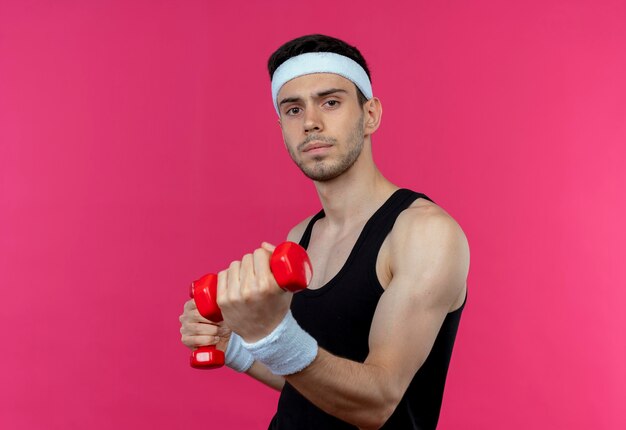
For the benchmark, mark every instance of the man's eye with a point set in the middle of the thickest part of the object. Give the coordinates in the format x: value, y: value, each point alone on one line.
x: 293, y: 111
x: 332, y: 103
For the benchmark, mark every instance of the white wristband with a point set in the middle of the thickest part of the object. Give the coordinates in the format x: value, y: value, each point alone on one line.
x: 237, y: 357
x: 286, y: 350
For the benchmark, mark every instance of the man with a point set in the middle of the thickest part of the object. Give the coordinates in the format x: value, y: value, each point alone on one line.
x: 368, y: 344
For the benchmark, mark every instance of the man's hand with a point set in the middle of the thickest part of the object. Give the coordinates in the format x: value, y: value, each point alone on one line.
x: 251, y: 301
x: 197, y: 331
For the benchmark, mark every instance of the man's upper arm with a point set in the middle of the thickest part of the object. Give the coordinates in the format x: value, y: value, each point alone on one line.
x: 429, y: 262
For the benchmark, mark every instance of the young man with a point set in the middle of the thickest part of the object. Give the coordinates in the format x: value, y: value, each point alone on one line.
x: 368, y: 344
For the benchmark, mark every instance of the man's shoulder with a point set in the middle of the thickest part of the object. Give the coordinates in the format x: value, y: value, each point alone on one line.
x: 425, y: 224
x: 295, y: 234
x: 427, y: 244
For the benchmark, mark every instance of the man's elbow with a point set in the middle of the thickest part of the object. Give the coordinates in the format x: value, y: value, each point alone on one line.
x: 375, y: 418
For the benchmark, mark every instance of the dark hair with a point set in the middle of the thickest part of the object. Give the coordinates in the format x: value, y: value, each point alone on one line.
x: 317, y: 43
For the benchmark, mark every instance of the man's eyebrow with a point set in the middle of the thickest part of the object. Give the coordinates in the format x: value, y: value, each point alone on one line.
x: 320, y: 94
x: 289, y: 100
x: 331, y: 91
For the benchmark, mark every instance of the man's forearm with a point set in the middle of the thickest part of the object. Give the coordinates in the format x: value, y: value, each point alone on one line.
x: 358, y: 393
x: 259, y: 372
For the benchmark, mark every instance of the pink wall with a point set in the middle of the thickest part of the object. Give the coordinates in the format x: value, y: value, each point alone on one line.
x: 138, y: 142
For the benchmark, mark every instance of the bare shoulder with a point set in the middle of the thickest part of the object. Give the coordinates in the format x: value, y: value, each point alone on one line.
x: 298, y: 230
x: 428, y: 245
x: 425, y: 223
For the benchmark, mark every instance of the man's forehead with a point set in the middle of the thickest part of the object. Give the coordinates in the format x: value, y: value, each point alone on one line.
x: 315, y: 82
x: 327, y: 64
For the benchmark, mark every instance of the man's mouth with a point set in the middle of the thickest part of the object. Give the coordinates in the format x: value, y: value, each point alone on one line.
x: 312, y: 146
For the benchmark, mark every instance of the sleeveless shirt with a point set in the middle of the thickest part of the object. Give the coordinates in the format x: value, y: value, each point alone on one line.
x: 339, y: 316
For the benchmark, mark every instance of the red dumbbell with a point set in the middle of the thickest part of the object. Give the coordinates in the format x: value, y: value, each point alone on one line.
x: 292, y: 270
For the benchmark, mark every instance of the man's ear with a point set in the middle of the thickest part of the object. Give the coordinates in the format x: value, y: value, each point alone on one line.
x: 373, y: 110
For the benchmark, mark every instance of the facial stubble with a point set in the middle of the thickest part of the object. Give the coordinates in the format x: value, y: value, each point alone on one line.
x: 323, y: 169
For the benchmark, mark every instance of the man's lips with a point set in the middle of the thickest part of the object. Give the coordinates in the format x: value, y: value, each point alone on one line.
x: 316, y: 145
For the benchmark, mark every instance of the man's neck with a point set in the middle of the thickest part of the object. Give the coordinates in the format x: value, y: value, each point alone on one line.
x: 353, y: 197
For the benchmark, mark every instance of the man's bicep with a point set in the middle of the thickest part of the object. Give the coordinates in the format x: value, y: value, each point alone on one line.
x: 403, y: 332
x: 429, y: 274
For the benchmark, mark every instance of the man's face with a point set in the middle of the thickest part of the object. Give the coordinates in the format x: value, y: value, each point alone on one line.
x: 322, y: 124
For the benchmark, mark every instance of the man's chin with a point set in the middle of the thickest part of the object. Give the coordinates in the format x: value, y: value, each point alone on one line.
x: 324, y: 176
x: 324, y: 170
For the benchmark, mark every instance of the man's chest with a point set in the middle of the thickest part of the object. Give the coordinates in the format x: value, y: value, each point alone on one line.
x: 329, y: 251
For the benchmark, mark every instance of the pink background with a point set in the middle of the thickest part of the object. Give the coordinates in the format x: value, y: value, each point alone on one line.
x: 139, y: 149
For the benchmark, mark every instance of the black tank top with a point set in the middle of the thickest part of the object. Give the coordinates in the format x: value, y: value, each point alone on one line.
x: 339, y: 315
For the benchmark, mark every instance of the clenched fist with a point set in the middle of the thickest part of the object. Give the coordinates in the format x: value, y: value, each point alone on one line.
x: 197, y: 331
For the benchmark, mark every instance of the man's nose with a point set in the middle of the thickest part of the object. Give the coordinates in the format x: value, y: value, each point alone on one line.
x: 312, y: 120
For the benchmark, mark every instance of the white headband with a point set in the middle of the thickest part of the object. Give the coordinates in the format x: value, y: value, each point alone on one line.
x: 320, y: 62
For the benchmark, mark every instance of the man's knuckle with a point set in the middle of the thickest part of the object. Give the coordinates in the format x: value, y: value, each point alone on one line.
x: 263, y: 285
x: 246, y: 295
x: 235, y: 299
